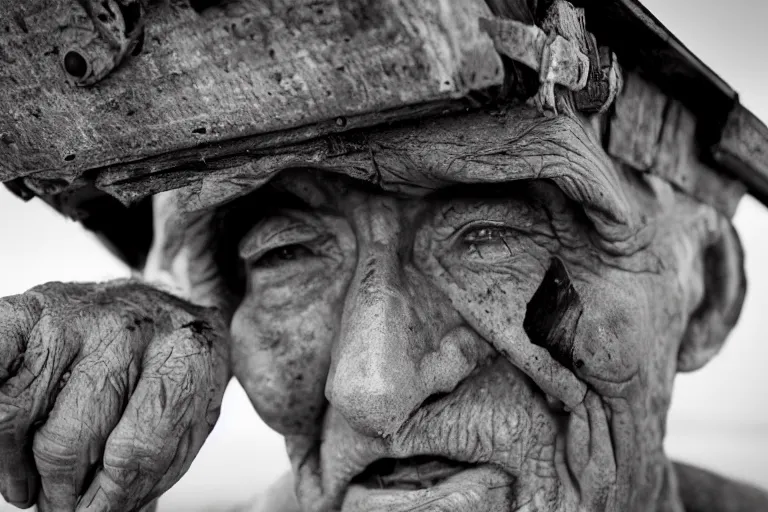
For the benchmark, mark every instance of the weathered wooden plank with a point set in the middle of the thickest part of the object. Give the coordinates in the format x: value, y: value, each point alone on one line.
x: 653, y: 133
x: 680, y: 160
x: 210, y: 87
x: 636, y: 123
x: 571, y: 23
x: 743, y: 149
x: 644, y: 44
x: 135, y: 180
x: 246, y: 68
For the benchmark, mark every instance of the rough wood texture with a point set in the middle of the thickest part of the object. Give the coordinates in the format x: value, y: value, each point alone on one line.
x: 97, y: 35
x: 248, y: 67
x: 483, y: 147
x: 209, y: 88
x: 600, y: 90
x: 559, y: 60
x: 679, y: 160
x: 643, y: 43
x: 743, y: 148
x: 652, y: 133
x: 636, y: 123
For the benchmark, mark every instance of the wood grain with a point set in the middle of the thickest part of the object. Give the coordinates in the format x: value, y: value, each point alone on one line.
x: 653, y: 133
x: 636, y: 123
x: 743, y: 148
x: 682, y: 161
x: 247, y: 68
x: 217, y: 88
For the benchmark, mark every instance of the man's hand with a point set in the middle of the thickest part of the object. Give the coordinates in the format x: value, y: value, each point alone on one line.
x: 107, y: 393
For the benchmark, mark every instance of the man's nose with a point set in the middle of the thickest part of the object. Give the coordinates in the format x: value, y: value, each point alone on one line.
x: 399, y: 344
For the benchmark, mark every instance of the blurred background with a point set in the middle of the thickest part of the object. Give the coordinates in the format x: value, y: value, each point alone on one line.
x: 719, y: 417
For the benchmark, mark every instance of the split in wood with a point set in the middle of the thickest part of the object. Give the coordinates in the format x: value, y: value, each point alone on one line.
x: 553, y: 315
x: 558, y: 60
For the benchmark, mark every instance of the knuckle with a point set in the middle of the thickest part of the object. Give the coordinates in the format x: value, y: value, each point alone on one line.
x: 12, y: 421
x: 54, y: 291
x: 180, y: 354
x: 17, y: 315
x: 53, y: 454
x: 14, y: 305
x: 126, y: 461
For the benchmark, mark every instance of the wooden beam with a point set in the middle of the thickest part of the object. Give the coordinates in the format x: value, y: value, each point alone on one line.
x: 743, y: 150
x: 645, y: 45
x: 240, y: 69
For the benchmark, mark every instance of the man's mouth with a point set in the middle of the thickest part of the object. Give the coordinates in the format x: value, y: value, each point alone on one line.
x: 466, y: 453
x: 428, y: 483
x: 409, y: 474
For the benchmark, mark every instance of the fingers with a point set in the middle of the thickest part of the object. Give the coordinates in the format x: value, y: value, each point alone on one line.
x: 188, y: 448
x: 18, y: 315
x: 552, y: 377
x: 161, y: 430
x: 25, y: 398
x: 590, y: 455
x: 18, y: 483
x: 86, y: 355
x: 89, y: 406
x: 599, y: 477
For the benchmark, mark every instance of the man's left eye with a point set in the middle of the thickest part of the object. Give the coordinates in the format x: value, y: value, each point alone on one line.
x: 283, y: 254
x: 486, y: 234
x: 490, y: 244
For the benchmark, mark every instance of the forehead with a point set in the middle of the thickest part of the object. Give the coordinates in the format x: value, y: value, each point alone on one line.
x: 418, y: 161
x: 321, y: 190
x: 480, y: 148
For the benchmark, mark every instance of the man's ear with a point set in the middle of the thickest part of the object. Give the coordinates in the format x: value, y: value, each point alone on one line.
x: 725, y: 285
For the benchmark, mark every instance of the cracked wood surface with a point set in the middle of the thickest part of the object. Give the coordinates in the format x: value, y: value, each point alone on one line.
x: 211, y: 87
x: 242, y: 69
x: 651, y: 132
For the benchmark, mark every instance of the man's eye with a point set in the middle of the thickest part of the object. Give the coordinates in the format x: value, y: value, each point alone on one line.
x: 490, y: 243
x: 488, y: 234
x: 283, y: 254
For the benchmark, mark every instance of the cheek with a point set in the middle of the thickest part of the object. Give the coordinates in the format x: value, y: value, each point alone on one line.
x: 282, y: 350
x: 626, y: 339
x: 611, y: 342
x: 492, y: 299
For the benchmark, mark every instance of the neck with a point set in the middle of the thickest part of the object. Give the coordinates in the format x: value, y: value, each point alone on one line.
x: 668, y: 498
x: 703, y: 491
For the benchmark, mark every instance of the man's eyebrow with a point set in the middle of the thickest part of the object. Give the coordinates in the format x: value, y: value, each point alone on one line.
x: 523, y: 209
x: 520, y: 146
x: 308, y: 188
x: 491, y: 149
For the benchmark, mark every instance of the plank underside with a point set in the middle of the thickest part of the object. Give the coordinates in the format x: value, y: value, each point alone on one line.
x: 743, y: 148
x: 224, y: 73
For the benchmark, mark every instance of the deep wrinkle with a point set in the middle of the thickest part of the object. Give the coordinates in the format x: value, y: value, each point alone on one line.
x: 485, y: 300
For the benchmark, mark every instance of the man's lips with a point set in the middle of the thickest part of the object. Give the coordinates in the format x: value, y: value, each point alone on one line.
x: 469, y: 488
x: 412, y: 473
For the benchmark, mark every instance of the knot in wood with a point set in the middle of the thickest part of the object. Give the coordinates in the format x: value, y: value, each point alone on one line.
x: 75, y: 64
x: 97, y: 36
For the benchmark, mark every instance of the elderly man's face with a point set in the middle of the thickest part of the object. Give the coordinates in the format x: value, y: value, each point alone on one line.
x: 383, y: 335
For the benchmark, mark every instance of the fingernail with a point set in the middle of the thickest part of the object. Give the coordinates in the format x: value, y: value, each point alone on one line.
x: 88, y: 499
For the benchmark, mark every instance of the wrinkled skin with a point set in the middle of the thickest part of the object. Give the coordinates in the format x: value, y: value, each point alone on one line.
x: 382, y: 334
x: 377, y: 326
x: 107, y: 393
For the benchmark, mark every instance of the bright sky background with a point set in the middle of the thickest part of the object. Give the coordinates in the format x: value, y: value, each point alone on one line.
x: 719, y: 417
